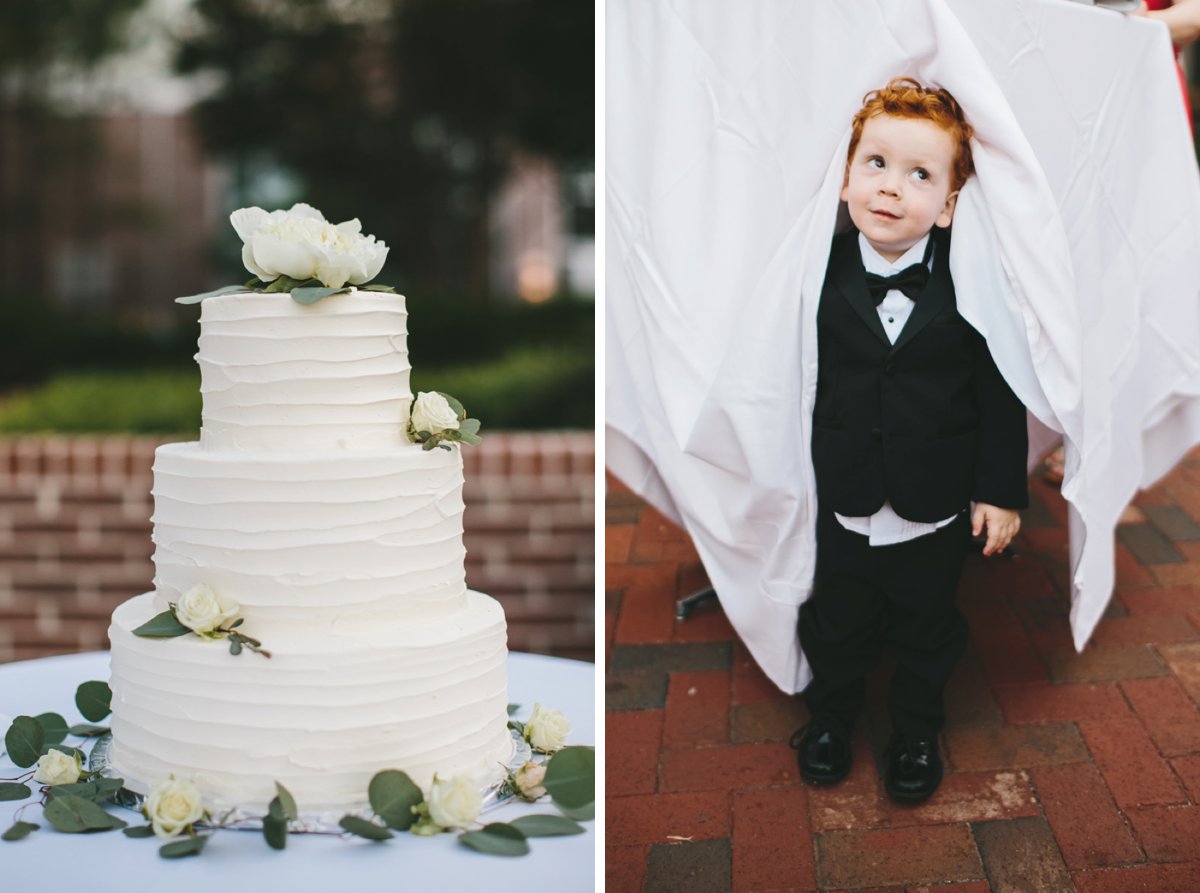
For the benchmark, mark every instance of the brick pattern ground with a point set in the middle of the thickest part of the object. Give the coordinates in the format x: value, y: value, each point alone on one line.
x: 1065, y: 771
x: 75, y: 538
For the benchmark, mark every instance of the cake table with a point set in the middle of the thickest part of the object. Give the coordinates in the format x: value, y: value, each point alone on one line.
x: 50, y: 860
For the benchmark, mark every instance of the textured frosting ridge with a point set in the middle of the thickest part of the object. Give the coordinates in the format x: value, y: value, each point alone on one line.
x: 320, y: 718
x: 312, y: 543
x: 279, y: 375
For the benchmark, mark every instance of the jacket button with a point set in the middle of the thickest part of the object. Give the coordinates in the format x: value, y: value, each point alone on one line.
x: 890, y: 368
x: 876, y: 434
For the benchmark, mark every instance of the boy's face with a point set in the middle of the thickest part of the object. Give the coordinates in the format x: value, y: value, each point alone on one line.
x: 897, y: 184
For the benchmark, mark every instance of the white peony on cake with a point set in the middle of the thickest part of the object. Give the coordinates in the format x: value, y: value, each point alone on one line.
x: 305, y: 502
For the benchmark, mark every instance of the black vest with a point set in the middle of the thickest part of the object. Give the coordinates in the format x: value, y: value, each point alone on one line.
x: 928, y: 424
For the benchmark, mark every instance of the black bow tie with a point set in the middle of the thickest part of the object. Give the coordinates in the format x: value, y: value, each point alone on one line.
x: 911, y: 280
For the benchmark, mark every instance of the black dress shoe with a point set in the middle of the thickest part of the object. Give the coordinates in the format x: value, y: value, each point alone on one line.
x: 822, y: 750
x: 914, y: 768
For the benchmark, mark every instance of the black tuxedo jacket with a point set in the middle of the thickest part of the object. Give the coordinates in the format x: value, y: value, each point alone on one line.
x: 928, y: 423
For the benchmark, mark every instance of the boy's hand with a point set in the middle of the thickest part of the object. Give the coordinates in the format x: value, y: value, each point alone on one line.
x: 1002, y: 526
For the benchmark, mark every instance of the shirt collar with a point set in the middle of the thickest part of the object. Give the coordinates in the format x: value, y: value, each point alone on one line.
x: 873, y: 263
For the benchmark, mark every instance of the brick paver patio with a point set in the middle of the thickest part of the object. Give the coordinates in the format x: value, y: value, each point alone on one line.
x: 1065, y: 771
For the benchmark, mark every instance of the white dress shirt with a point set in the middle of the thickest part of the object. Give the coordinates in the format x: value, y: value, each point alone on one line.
x: 885, y: 527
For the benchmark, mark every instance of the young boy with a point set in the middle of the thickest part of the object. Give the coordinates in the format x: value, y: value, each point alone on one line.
x: 912, y: 423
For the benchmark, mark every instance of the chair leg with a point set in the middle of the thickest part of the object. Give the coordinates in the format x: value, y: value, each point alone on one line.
x: 685, y: 605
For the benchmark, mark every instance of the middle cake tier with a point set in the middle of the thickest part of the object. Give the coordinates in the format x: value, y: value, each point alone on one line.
x: 340, y: 543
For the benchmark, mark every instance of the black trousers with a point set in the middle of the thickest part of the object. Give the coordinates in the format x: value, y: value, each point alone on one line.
x: 867, y: 598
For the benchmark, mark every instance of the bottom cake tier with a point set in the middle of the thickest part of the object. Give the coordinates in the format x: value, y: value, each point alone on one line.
x: 321, y: 716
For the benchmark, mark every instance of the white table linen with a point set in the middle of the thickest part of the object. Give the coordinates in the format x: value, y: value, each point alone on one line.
x: 47, y: 860
x: 1074, y: 253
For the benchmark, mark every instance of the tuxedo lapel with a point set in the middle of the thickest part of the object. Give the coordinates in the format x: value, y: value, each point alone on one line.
x: 850, y: 279
x: 936, y: 296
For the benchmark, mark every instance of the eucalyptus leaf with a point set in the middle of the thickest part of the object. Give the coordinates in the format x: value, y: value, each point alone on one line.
x: 274, y: 830
x: 162, y: 626
x: 75, y: 815
x: 235, y: 646
x: 12, y: 790
x: 362, y: 828
x: 429, y: 444
x: 283, y: 283
x: 187, y: 846
x: 99, y: 791
x: 513, y: 708
x: 455, y: 405
x: 139, y: 831
x: 24, y: 741
x: 87, y: 730
x: 468, y: 426
x: 312, y: 295
x: 545, y: 826
x: 225, y: 290
x: 54, y: 727
x: 287, y: 802
x: 517, y: 726
x: 383, y: 288
x: 67, y: 749
x: 393, y: 795
x: 19, y: 830
x: 497, y: 839
x: 472, y: 439
x: 584, y: 813
x: 94, y: 700
x: 571, y: 777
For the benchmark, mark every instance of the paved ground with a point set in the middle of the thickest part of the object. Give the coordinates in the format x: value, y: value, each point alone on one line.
x: 1064, y: 771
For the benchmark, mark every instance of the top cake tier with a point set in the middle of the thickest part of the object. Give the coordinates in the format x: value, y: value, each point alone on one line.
x: 283, y: 376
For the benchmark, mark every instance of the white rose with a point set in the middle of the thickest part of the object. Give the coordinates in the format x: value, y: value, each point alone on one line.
x: 172, y: 806
x: 56, y: 767
x: 202, y: 610
x: 454, y: 802
x: 547, y: 730
x: 529, y: 780
x: 302, y: 244
x: 432, y: 413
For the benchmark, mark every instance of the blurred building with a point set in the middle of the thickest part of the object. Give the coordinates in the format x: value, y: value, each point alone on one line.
x: 110, y: 214
x: 121, y: 213
x: 110, y: 207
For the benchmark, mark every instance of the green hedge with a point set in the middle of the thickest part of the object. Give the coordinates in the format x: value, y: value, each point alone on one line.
x: 41, y: 342
x: 526, y: 389
x: 134, y: 403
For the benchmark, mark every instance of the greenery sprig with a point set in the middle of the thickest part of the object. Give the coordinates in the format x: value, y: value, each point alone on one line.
x: 307, y: 291
x: 78, y: 801
x: 436, y: 419
x: 399, y: 805
x: 167, y: 625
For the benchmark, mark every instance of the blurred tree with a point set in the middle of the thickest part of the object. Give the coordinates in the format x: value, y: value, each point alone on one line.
x: 404, y: 113
x: 41, y: 43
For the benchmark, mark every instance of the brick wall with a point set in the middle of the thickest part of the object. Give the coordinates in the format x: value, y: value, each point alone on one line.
x: 75, y: 538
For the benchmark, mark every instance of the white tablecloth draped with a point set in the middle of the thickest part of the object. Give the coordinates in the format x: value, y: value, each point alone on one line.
x: 1074, y: 253
x: 48, y: 861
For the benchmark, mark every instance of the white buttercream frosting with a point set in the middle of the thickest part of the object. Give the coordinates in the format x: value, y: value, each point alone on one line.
x: 305, y: 504
x: 321, y: 716
x: 279, y: 375
x: 332, y: 542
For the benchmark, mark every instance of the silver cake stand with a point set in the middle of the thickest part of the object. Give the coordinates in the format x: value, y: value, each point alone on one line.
x: 495, y: 792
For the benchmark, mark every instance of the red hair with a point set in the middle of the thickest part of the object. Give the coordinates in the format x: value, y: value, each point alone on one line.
x: 905, y: 98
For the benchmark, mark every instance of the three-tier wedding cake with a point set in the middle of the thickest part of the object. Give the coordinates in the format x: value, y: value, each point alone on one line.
x: 305, y: 502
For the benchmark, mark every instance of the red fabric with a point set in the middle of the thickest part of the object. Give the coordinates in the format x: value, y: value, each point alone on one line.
x: 1156, y: 5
